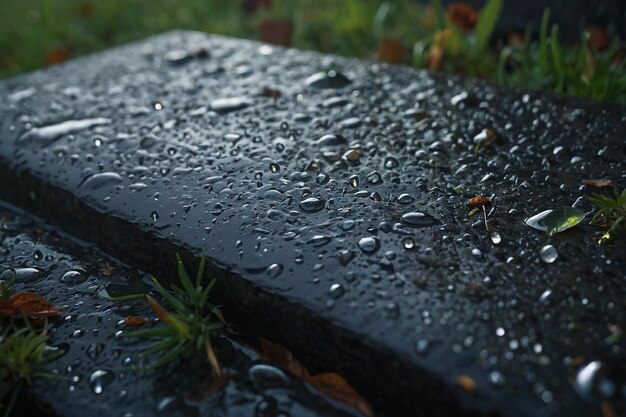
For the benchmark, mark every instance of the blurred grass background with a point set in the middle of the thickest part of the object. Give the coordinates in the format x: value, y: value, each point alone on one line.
x: 458, y: 39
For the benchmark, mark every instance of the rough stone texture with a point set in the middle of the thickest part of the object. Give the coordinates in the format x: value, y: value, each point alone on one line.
x: 100, y: 371
x: 401, y: 305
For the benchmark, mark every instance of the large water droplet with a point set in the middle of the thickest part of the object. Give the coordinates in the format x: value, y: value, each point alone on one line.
x: 369, y: 244
x: 98, y: 380
x: 417, y: 219
x: 548, y: 254
x: 312, y: 204
x: 330, y: 79
x: 100, y: 180
x: 51, y: 132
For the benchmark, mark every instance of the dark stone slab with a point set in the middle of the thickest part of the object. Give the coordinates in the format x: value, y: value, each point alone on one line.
x: 317, y: 238
x: 101, y: 370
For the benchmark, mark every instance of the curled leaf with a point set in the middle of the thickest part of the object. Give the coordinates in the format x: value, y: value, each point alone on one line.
x: 331, y: 384
x: 135, y: 321
x: 598, y: 183
x: 479, y: 201
x: 27, y: 304
x: 466, y: 382
x: 463, y: 15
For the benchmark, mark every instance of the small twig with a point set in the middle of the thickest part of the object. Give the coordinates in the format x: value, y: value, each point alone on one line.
x: 485, y: 217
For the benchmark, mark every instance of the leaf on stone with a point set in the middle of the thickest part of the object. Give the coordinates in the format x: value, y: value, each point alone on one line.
x: 390, y: 50
x: 562, y: 219
x: 331, y: 384
x: 27, y: 304
x: 463, y: 15
x: 135, y: 321
x: 598, y: 183
x: 466, y: 382
x: 479, y: 201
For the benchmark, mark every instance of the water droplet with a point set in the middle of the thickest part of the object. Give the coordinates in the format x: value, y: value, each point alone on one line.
x: 331, y: 140
x: 417, y: 219
x: 100, y: 180
x: 51, y: 132
x: 73, y: 277
x: 405, y: 199
x: 408, y: 243
x: 98, y: 380
x: 336, y: 290
x: 274, y: 270
x: 495, y: 238
x: 312, y: 204
x: 227, y: 105
x: 369, y: 244
x: 266, y: 376
x: 329, y: 79
x: 354, y: 181
x: 548, y: 254
x: 274, y: 167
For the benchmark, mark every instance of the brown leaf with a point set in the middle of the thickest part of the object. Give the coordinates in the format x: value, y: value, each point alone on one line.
x: 161, y: 312
x: 466, y: 382
x: 479, y: 201
x: 282, y: 358
x: 331, y: 384
x: 27, y: 304
x: 598, y: 183
x: 390, y: 50
x: 463, y: 15
x: 435, y: 56
x: 336, y: 387
x: 58, y: 55
x: 107, y: 270
x: 135, y: 321
x: 607, y: 409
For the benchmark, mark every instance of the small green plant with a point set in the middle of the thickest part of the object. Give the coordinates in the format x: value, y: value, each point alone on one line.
x: 189, y: 329
x: 22, y: 351
x: 611, y: 212
x: 6, y: 288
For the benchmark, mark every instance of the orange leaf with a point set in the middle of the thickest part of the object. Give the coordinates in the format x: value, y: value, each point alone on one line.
x: 161, y: 313
x: 58, y: 55
x: 598, y: 183
x: 390, y: 50
x: 336, y: 387
x: 463, y: 15
x: 331, y: 384
x: 479, y: 201
x: 607, y: 409
x: 135, y: 321
x: 466, y: 382
x: 27, y: 304
x: 283, y: 359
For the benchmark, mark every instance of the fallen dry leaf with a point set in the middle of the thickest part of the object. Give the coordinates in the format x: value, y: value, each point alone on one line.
x: 607, y: 410
x: 331, y: 384
x: 598, y: 183
x: 27, y: 304
x: 135, y: 321
x: 390, y: 50
x: 466, y: 382
x: 107, y: 270
x: 479, y: 201
x: 57, y: 56
x: 463, y: 15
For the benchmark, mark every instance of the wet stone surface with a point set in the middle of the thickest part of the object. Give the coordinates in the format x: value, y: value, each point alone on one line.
x: 340, y: 187
x: 100, y: 371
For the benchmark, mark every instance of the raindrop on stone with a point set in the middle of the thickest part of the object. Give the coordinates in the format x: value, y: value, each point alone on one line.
x: 98, y: 380
x: 548, y: 254
x: 312, y: 204
x: 369, y: 244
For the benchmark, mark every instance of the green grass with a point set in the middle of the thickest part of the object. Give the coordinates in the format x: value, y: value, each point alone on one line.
x: 611, y: 213
x: 37, y: 31
x: 22, y: 351
x: 189, y: 328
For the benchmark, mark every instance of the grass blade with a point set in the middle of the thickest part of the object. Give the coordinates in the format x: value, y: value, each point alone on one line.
x: 486, y: 23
